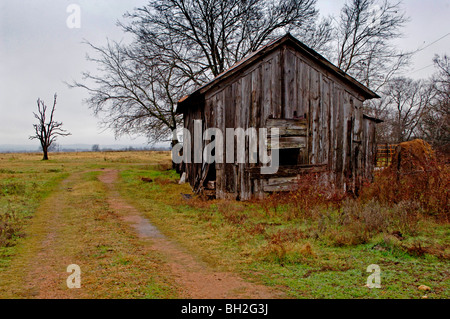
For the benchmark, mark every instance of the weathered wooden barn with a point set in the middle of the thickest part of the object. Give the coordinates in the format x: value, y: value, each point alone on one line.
x: 317, y: 108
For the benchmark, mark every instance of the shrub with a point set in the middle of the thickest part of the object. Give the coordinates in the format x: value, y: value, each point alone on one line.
x: 415, y: 175
x: 308, y: 195
x: 356, y: 222
x: 353, y: 234
x: 287, y: 234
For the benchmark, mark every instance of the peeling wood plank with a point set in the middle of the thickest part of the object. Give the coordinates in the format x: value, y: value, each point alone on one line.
x: 255, y: 121
x: 331, y: 127
x: 304, y: 88
x: 338, y: 159
x: 280, y: 184
x: 287, y: 142
x: 220, y: 124
x: 289, y: 132
x: 315, y: 115
x: 325, y: 134
x: 295, y: 124
x: 288, y: 171
x: 266, y: 107
x: 290, y: 80
x: 246, y: 89
x: 230, y: 113
x: 237, y: 91
x: 276, y: 87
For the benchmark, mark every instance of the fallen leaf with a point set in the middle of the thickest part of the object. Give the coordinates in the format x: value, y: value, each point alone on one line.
x: 424, y: 288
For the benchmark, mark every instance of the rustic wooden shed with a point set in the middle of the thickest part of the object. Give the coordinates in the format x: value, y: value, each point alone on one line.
x: 317, y: 108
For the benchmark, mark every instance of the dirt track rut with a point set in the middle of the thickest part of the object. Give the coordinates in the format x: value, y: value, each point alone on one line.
x: 195, y: 279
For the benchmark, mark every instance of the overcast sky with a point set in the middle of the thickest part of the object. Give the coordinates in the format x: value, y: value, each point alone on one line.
x: 38, y: 52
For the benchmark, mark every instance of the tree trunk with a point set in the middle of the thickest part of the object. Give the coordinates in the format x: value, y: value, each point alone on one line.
x: 45, y: 150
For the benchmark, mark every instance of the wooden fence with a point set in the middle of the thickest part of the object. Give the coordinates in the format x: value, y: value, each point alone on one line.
x: 384, y: 154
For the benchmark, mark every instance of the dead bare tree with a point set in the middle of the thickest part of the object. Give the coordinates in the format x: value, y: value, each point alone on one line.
x: 365, y: 30
x: 178, y: 45
x: 435, y: 124
x: 205, y: 37
x: 47, y: 130
x: 407, y: 102
x: 133, y: 92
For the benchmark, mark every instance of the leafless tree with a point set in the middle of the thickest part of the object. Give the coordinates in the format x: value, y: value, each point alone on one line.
x: 205, y: 37
x: 407, y: 101
x: 131, y: 92
x: 435, y: 124
x: 181, y: 44
x: 47, y: 130
x: 365, y: 30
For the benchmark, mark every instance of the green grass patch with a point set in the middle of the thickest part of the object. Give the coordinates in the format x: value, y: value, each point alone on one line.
x: 21, y: 192
x: 316, y: 253
x: 306, y: 249
x: 78, y: 223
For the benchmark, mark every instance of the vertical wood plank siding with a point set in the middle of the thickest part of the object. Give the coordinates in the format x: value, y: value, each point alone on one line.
x: 285, y: 84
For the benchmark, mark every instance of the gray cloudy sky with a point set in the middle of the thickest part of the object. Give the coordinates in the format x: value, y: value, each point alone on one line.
x: 38, y: 52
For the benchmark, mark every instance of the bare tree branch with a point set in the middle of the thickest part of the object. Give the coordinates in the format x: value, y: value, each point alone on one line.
x: 47, y: 131
x: 435, y: 124
x: 215, y: 34
x: 365, y: 30
x: 179, y: 45
x: 406, y: 102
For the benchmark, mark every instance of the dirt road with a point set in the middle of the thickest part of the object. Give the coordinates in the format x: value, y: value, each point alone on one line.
x: 196, y: 279
x: 86, y: 221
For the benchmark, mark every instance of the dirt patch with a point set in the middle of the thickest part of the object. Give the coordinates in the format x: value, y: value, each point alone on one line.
x: 45, y: 278
x: 196, y: 279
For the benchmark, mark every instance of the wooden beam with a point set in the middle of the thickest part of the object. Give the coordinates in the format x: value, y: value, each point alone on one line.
x: 295, y: 124
x: 280, y: 184
x: 285, y: 132
x: 287, y: 171
x: 287, y: 142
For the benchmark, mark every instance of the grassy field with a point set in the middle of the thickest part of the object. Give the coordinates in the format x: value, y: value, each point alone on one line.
x: 56, y: 210
x: 306, y: 250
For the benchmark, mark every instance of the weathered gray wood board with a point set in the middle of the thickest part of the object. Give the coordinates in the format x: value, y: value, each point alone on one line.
x: 317, y: 111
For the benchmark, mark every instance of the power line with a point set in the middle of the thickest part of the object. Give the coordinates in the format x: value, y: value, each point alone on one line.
x: 429, y: 45
x: 425, y: 67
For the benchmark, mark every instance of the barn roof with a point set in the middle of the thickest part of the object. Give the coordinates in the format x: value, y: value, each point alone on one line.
x: 267, y: 49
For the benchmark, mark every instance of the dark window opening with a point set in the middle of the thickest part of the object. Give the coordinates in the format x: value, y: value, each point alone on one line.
x: 289, y: 156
